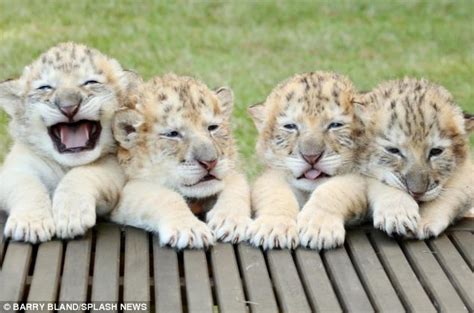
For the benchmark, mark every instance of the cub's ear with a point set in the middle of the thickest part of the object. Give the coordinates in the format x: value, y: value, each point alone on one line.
x: 226, y: 98
x: 257, y: 112
x: 125, y: 127
x: 10, y: 99
x: 131, y: 80
x: 469, y: 122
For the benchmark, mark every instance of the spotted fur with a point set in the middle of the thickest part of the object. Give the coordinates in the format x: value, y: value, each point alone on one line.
x: 39, y: 182
x: 167, y: 130
x: 418, y: 144
x: 309, y: 117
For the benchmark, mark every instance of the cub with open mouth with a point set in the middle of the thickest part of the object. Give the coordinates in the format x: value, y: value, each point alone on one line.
x: 62, y: 164
x: 179, y: 155
x: 307, y: 131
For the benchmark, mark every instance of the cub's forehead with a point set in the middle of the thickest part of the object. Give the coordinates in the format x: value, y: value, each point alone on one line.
x: 73, y: 59
x: 312, y: 94
x: 180, y: 97
x: 416, y: 109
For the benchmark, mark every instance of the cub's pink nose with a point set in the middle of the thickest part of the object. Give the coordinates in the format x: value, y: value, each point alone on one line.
x: 208, y: 165
x: 311, y: 158
x: 69, y: 111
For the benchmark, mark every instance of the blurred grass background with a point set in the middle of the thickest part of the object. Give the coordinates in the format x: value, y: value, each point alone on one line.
x: 251, y: 46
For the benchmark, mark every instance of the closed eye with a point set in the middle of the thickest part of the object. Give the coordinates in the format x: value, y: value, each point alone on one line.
x: 90, y: 82
x: 44, y: 87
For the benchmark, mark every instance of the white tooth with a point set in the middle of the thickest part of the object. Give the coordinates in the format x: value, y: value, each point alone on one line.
x: 57, y: 132
x: 94, y: 127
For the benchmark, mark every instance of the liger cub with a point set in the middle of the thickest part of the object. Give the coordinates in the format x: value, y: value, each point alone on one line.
x: 62, y: 168
x: 177, y: 150
x: 308, y: 127
x: 418, y: 156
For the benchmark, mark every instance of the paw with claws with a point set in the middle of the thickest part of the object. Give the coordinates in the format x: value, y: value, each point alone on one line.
x: 30, y: 226
x: 430, y: 227
x: 73, y: 214
x: 187, y: 232
x: 397, y: 217
x: 320, y: 230
x: 228, y: 226
x: 273, y: 232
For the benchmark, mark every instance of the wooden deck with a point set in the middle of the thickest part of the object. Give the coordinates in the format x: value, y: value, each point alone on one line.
x: 370, y: 273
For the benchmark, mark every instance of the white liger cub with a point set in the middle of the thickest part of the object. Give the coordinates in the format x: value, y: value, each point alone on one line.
x: 62, y: 164
x: 418, y: 154
x: 307, y: 131
x: 177, y: 150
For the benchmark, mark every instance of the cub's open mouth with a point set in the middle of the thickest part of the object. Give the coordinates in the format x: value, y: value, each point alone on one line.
x: 206, y: 178
x: 75, y: 137
x: 313, y: 174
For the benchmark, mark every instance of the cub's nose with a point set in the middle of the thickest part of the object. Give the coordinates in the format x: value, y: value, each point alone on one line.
x: 311, y: 158
x: 69, y: 111
x: 208, y: 165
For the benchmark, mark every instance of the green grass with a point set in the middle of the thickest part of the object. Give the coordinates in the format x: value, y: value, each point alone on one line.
x: 251, y: 46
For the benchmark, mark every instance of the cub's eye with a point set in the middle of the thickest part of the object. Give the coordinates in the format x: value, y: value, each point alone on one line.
x: 335, y: 125
x: 212, y: 127
x: 172, y: 134
x: 393, y: 150
x: 44, y: 87
x: 290, y: 126
x: 90, y: 82
x: 435, y: 152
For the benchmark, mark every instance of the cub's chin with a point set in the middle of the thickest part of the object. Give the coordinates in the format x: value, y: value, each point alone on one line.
x: 206, y: 187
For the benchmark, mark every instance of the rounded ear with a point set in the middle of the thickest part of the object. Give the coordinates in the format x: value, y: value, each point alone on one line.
x: 131, y: 80
x: 257, y: 112
x: 226, y: 98
x: 10, y: 99
x: 125, y: 127
x: 468, y: 122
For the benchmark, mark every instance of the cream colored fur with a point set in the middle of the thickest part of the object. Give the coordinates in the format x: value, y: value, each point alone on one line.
x: 166, y: 130
x: 309, y: 116
x: 46, y: 192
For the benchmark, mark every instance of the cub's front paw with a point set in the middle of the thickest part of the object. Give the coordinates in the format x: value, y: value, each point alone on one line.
x: 188, y: 232
x: 228, y: 226
x: 73, y: 214
x: 320, y: 230
x: 428, y: 228
x: 30, y: 226
x: 273, y: 232
x: 397, y: 218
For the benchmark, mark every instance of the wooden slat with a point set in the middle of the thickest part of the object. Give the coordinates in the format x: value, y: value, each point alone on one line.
x: 257, y: 280
x: 14, y: 271
x: 401, y: 274
x: 349, y: 288
x: 458, y: 271
x: 316, y: 281
x: 230, y: 295
x: 47, y: 269
x: 75, y: 277
x: 432, y: 277
x: 105, y: 280
x: 198, y: 286
x: 379, y: 288
x: 167, y: 281
x: 466, y: 224
x: 287, y: 284
x: 137, y: 266
x: 465, y: 243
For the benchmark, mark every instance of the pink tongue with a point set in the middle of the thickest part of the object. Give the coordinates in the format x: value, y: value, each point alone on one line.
x: 312, y: 174
x: 75, y: 137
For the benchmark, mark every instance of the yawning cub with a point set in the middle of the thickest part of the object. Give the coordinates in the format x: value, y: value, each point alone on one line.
x: 61, y: 166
